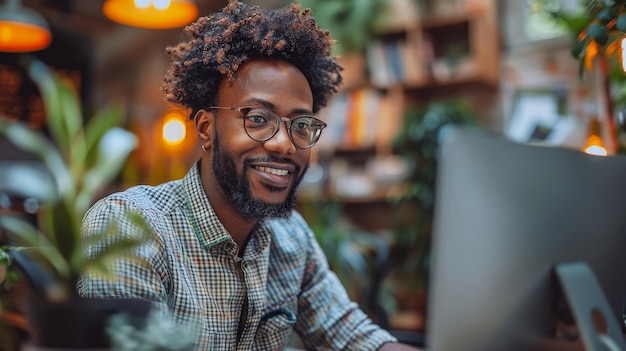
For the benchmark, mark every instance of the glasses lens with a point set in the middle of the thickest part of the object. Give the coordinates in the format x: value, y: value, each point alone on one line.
x: 260, y: 124
x: 305, y: 131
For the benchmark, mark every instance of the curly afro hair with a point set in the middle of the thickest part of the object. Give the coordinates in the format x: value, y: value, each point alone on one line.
x: 222, y: 42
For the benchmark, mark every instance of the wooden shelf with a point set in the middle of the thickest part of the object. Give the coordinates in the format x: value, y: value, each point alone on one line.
x: 450, y: 56
x: 469, y: 81
x: 407, y: 67
x: 438, y: 22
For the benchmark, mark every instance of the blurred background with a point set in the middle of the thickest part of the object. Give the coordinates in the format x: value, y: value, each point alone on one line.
x: 412, y: 66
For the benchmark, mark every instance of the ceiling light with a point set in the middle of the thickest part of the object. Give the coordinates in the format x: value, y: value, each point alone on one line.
x: 22, y: 29
x: 151, y: 14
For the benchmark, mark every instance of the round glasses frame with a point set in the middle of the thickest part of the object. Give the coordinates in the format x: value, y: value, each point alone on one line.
x: 314, y: 125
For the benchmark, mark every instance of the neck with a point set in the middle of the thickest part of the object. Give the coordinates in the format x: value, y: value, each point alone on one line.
x: 239, y: 228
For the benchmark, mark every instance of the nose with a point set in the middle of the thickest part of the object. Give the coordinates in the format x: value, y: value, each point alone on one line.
x: 281, y: 142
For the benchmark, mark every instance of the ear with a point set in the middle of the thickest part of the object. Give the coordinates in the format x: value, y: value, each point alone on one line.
x: 204, y: 121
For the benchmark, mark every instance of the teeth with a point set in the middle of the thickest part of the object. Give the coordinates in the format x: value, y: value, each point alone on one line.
x: 280, y: 172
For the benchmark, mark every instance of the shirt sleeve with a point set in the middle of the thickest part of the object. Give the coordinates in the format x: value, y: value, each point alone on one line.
x: 139, y: 274
x: 327, y: 318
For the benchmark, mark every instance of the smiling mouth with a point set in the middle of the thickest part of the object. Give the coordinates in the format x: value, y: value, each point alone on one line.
x: 275, y: 171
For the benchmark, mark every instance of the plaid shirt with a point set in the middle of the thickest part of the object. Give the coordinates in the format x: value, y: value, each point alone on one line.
x: 195, y: 274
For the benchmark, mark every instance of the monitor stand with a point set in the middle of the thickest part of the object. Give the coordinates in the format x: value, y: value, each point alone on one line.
x: 586, y: 301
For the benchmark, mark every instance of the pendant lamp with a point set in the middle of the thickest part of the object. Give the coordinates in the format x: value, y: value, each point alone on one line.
x: 151, y: 14
x: 22, y: 29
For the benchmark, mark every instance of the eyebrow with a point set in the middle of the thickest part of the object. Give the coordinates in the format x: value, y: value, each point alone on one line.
x: 272, y: 107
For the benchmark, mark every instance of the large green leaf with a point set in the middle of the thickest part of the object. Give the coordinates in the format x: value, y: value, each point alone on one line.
x: 63, y: 225
x: 97, y: 127
x: 24, y: 234
x: 113, y: 151
x: 29, y: 140
x: 115, y: 246
x: 63, y: 111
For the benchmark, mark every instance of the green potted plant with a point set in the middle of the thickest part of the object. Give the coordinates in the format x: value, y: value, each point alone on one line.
x: 9, y: 279
x: 81, y: 158
x: 8, y: 275
x: 598, y: 29
x: 352, y: 23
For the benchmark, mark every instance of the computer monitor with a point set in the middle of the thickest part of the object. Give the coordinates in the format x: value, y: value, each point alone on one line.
x: 518, y: 229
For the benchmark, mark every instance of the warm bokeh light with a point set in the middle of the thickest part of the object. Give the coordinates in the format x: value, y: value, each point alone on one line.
x: 152, y: 14
x: 595, y: 146
x: 174, y: 130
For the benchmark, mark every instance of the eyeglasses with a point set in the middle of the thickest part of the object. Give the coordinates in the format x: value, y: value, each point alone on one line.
x: 262, y: 124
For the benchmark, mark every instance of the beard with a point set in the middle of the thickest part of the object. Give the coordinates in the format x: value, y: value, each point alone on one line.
x: 236, y: 187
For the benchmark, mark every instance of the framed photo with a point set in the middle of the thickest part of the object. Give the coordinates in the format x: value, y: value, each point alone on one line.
x: 540, y: 116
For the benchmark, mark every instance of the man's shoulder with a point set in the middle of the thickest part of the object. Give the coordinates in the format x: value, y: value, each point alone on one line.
x: 145, y: 198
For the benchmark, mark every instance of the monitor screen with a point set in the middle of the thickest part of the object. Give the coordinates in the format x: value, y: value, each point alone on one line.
x: 506, y: 216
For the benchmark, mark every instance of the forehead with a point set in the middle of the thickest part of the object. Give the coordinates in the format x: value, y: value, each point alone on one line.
x: 276, y: 82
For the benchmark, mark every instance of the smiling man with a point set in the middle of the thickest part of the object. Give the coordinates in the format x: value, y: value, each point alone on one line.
x: 230, y: 256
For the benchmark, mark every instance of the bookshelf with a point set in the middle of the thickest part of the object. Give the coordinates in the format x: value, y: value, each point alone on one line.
x: 449, y: 51
x: 432, y: 55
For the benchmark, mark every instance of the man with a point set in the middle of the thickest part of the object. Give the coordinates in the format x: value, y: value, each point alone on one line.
x: 229, y: 254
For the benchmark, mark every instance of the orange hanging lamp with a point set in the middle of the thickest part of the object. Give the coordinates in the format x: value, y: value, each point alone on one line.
x: 22, y: 29
x: 151, y: 14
